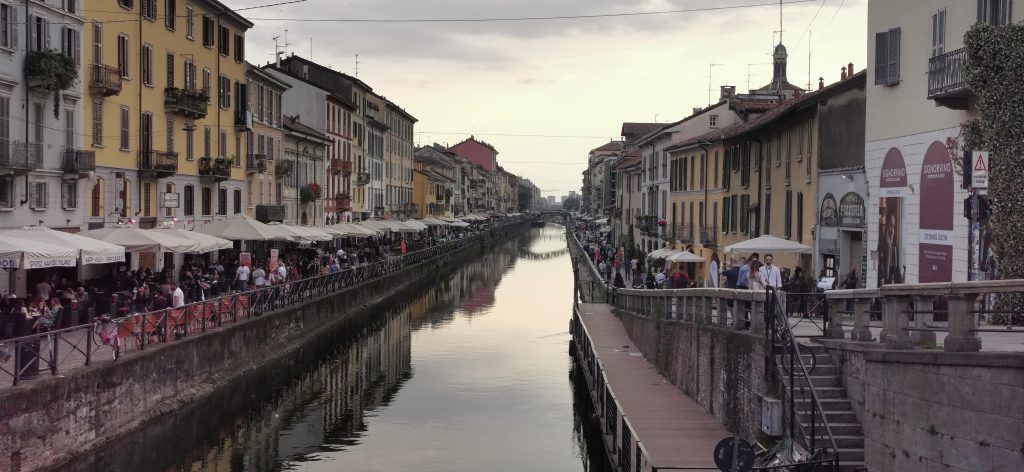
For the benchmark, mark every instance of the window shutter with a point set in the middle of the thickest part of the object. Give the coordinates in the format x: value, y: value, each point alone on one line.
x: 14, y: 27
x: 941, y: 45
x: 31, y: 32
x: 46, y: 37
x: 881, y: 55
x: 1004, y: 12
x: 32, y: 195
x: 893, y: 76
x: 982, y: 8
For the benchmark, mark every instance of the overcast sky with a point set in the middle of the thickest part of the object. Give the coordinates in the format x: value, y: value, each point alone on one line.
x: 577, y: 78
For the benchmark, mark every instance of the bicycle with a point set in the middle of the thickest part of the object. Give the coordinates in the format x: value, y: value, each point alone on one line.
x: 105, y: 333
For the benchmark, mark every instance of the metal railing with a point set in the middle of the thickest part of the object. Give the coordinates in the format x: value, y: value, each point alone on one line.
x: 786, y: 349
x: 77, y: 161
x: 59, y: 350
x: 160, y: 163
x: 104, y: 80
x: 947, y: 74
x: 255, y: 163
x: 908, y: 313
x: 190, y: 103
x: 21, y: 155
x: 219, y: 168
x: 283, y: 167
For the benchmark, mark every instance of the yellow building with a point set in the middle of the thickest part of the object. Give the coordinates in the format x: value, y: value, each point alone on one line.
x: 167, y: 113
x: 263, y: 156
x: 433, y: 182
x: 695, y: 183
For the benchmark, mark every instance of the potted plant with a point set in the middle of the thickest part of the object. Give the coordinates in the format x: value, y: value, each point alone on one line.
x: 310, y: 193
x: 51, y: 70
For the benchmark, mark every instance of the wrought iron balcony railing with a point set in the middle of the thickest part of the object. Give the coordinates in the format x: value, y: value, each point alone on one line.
x: 947, y: 79
x: 158, y: 163
x: 219, y: 169
x: 104, y: 80
x: 255, y: 163
x: 77, y: 161
x: 188, y: 103
x: 20, y: 156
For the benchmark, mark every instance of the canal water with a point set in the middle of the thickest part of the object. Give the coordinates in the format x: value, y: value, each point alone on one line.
x: 471, y: 373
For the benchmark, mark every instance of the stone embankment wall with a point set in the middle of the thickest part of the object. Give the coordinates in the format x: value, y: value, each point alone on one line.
x: 934, y: 410
x: 50, y: 420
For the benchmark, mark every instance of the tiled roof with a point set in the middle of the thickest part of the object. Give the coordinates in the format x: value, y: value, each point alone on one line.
x: 632, y: 159
x: 639, y: 128
x: 292, y: 123
x: 609, y: 146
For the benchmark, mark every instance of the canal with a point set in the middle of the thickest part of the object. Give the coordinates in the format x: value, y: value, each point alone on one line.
x: 470, y: 373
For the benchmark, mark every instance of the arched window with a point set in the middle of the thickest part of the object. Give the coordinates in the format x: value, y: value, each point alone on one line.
x: 96, y: 200
x: 238, y: 201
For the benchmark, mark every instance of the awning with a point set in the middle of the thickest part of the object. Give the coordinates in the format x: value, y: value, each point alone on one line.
x: 372, y: 228
x: 435, y: 222
x: 401, y: 227
x: 244, y: 229
x: 684, y: 256
x: 416, y: 224
x: 22, y: 253
x: 331, y: 231
x: 460, y: 224
x: 314, y: 233
x: 206, y: 242
x: 389, y: 225
x: 767, y: 244
x: 353, y: 230
x: 662, y: 253
x: 90, y: 251
x: 451, y: 220
x: 301, y: 233
x: 141, y: 240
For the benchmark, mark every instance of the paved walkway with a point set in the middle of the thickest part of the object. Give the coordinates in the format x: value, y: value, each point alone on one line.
x: 674, y: 429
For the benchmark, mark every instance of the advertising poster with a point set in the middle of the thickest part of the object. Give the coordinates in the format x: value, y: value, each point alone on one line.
x: 829, y: 214
x: 890, y: 270
x: 935, y: 235
x: 272, y: 266
x: 245, y: 259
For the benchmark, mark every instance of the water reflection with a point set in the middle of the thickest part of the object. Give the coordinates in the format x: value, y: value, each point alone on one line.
x: 470, y: 375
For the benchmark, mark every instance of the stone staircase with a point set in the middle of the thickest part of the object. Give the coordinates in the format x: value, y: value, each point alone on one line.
x: 846, y: 429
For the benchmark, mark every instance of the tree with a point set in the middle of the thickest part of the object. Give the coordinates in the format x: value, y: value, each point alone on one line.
x: 525, y: 197
x: 571, y: 204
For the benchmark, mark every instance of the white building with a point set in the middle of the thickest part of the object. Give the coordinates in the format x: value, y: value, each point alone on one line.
x: 917, y: 97
x: 41, y: 155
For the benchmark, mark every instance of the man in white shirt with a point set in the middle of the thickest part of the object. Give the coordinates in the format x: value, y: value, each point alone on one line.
x: 282, y: 272
x: 242, y: 278
x: 659, y: 279
x: 177, y: 296
x: 259, y: 277
x: 772, y: 275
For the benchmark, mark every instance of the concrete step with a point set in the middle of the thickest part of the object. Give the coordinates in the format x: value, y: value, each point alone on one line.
x: 851, y: 466
x: 842, y: 442
x: 813, y: 347
x: 827, y: 404
x: 851, y: 454
x: 840, y: 429
x: 816, y: 380
x: 823, y: 392
x: 832, y: 416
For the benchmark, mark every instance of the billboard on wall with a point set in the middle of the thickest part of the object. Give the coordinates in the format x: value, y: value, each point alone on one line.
x: 935, y: 234
x: 851, y: 210
x: 893, y: 181
x: 829, y: 213
x: 890, y: 221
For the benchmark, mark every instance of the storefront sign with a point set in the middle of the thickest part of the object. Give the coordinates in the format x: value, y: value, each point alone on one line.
x: 893, y: 181
x: 935, y: 234
x: 979, y: 169
x: 170, y: 200
x: 829, y: 214
x: 851, y: 210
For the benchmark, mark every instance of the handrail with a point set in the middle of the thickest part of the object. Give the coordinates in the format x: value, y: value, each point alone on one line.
x: 135, y: 331
x: 779, y: 324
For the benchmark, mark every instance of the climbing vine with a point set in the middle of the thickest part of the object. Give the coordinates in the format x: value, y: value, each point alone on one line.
x: 994, y: 69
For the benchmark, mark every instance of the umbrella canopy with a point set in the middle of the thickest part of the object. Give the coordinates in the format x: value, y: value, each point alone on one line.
x: 401, y: 227
x: 435, y: 221
x: 335, y: 233
x: 389, y: 225
x: 767, y: 243
x: 472, y: 217
x: 601, y: 221
x: 15, y: 253
x: 141, y: 240
x: 91, y: 251
x: 315, y: 233
x: 684, y: 256
x: 460, y: 224
x: 206, y: 242
x: 416, y: 224
x: 353, y: 230
x: 244, y: 229
x: 661, y: 253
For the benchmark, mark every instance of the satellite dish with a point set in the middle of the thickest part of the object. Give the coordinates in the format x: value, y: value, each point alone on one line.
x: 734, y: 454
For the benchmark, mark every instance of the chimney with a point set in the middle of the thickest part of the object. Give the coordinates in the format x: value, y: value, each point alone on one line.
x: 843, y: 76
x: 727, y: 92
x: 821, y: 83
x: 697, y: 110
x: 849, y: 70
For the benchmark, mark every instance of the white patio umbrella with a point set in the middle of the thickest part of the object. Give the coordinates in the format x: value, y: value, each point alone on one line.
x: 315, y: 233
x: 661, y: 253
x: 90, y: 251
x: 141, y: 240
x: 401, y: 227
x: 244, y: 229
x: 435, y: 221
x: 416, y: 224
x: 366, y: 225
x: 353, y: 230
x: 23, y: 253
x: 767, y: 244
x: 206, y: 242
x: 684, y: 256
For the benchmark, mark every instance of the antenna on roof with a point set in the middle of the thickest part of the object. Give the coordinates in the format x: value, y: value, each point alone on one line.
x: 780, y: 22
x: 279, y: 48
x: 809, y: 35
x: 710, y: 89
x: 357, y: 64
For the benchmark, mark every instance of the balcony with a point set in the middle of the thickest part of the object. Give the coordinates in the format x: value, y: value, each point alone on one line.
x: 188, y: 103
x: 283, y: 167
x: 158, y: 164
x: 647, y: 223
x: 363, y: 178
x: 343, y: 202
x: 413, y: 207
x: 104, y: 80
x: 947, y: 80
x: 255, y: 163
x: 77, y: 162
x: 19, y: 156
x: 218, y: 169
x: 270, y: 213
x: 378, y: 211
x: 339, y: 166
x: 709, y: 236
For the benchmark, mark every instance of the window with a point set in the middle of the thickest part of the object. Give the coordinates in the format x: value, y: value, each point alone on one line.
x: 800, y: 216
x: 788, y: 230
x: 149, y: 9
x: 726, y: 170
x: 97, y: 122
x: 96, y: 199
x: 123, y: 54
x: 713, y: 121
x: 38, y: 196
x: 207, y: 142
x: 734, y: 214
x: 190, y: 131
x: 887, y: 57
x: 189, y: 201
x: 768, y: 213
x: 744, y: 213
x: 71, y: 43
x: 147, y: 64
x: 8, y: 26
x: 225, y: 41
x: 171, y: 14
x: 69, y: 127
x: 208, y: 31
x: 190, y: 22
x: 207, y: 203
x: 97, y: 43
x: 190, y: 74
x: 270, y: 148
x: 703, y: 170
x: 7, y: 191
x: 38, y: 33
x: 239, y: 48
x: 222, y: 144
x: 222, y: 201
x: 939, y: 32
x: 147, y: 199
x: 170, y: 69
x: 237, y: 203
x: 125, y: 138
x: 170, y: 135
x: 224, y: 91
x: 789, y: 152
x: 207, y: 78
x: 126, y: 3
x: 995, y: 12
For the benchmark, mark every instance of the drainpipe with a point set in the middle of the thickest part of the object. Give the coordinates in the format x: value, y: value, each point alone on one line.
x: 707, y: 161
